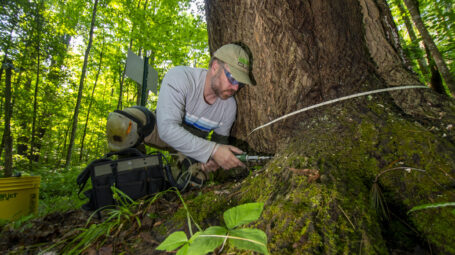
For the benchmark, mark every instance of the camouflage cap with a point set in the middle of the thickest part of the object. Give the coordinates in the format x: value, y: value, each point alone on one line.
x: 238, y: 61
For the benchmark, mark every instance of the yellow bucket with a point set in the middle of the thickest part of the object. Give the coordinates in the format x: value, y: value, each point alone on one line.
x: 18, y: 196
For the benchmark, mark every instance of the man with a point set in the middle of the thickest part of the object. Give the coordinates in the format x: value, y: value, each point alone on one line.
x: 195, y: 101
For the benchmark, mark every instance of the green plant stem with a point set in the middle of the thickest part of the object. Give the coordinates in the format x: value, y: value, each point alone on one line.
x: 233, y: 237
x: 224, y: 243
x: 396, y: 168
x: 188, y: 212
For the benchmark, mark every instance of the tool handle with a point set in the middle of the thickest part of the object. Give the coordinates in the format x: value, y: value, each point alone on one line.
x: 242, y: 157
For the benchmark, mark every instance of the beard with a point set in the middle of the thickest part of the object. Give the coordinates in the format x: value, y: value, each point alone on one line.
x: 215, y: 84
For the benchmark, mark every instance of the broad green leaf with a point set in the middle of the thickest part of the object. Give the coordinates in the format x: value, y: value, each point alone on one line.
x: 183, y: 250
x: 194, y: 237
x: 427, y: 206
x: 242, y: 214
x: 173, y: 241
x: 249, y: 239
x: 207, y: 241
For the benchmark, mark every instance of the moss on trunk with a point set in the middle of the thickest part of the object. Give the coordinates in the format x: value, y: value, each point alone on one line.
x: 349, y: 144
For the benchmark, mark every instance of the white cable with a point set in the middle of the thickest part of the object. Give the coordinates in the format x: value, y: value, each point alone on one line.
x: 338, y: 100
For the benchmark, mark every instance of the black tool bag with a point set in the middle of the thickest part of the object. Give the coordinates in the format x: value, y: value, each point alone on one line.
x: 134, y: 173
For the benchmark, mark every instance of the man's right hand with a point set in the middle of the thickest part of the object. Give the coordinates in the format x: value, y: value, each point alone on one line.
x: 225, y: 158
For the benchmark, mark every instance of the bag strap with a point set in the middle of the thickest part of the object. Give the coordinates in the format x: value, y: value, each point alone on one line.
x: 185, y: 177
x: 82, y: 178
x: 149, y: 125
x: 142, y: 129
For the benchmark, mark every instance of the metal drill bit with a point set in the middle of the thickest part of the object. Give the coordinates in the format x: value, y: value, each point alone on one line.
x: 246, y: 157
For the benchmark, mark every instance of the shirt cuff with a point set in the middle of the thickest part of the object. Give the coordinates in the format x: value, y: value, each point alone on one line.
x: 214, y: 150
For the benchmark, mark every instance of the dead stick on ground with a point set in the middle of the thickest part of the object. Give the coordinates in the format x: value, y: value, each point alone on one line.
x: 346, y: 216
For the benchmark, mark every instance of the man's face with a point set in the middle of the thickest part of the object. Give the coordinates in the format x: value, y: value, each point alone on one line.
x: 221, y: 85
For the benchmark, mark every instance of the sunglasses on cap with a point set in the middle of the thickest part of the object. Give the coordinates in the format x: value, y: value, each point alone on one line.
x: 232, y: 80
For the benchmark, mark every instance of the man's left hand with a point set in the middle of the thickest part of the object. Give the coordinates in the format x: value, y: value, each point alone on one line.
x: 210, y: 166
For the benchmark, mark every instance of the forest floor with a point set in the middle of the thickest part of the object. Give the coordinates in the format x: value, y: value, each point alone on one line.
x: 60, y: 228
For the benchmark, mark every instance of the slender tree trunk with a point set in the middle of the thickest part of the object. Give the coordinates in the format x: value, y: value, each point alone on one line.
x: 442, y: 18
x: 1, y: 106
x: 35, y: 109
x: 2, y: 67
x: 6, y: 50
x: 139, y: 86
x: 32, y: 156
x: 92, y: 98
x: 440, y: 63
x: 435, y: 76
x: 412, y: 36
x: 65, y: 139
x: 22, y: 141
x: 121, y: 82
x: 122, y: 78
x: 81, y: 87
x: 7, y: 137
x: 5, y: 64
x: 2, y: 143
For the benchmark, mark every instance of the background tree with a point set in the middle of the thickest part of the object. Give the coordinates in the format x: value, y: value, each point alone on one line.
x: 307, y: 52
x: 431, y: 17
x: 81, y: 86
x: 7, y: 140
x: 440, y: 63
x: 414, y: 40
x: 165, y: 28
x: 38, y: 30
x: 91, y: 99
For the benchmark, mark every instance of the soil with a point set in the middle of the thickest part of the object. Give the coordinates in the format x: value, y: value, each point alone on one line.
x: 61, y: 227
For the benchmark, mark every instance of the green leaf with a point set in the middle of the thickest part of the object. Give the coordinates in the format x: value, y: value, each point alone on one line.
x: 242, y: 214
x: 183, y: 250
x: 427, y: 206
x: 207, y: 241
x: 173, y: 241
x: 194, y: 236
x: 249, y: 239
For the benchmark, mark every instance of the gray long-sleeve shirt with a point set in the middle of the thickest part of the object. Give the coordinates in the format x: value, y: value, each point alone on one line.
x: 181, y: 100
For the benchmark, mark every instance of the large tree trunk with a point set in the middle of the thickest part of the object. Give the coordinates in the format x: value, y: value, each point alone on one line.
x: 307, y: 52
x: 81, y: 88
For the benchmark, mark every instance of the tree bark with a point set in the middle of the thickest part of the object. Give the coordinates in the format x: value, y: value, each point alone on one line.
x: 439, y: 60
x: 64, y: 148
x: 3, y: 67
x: 121, y: 80
x: 445, y: 23
x: 7, y: 138
x: 91, y: 102
x: 35, y: 97
x: 435, y: 78
x: 308, y: 52
x: 122, y: 72
x: 412, y: 36
x: 81, y: 88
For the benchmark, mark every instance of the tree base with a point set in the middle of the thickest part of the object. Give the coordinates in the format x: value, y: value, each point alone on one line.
x: 350, y: 146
